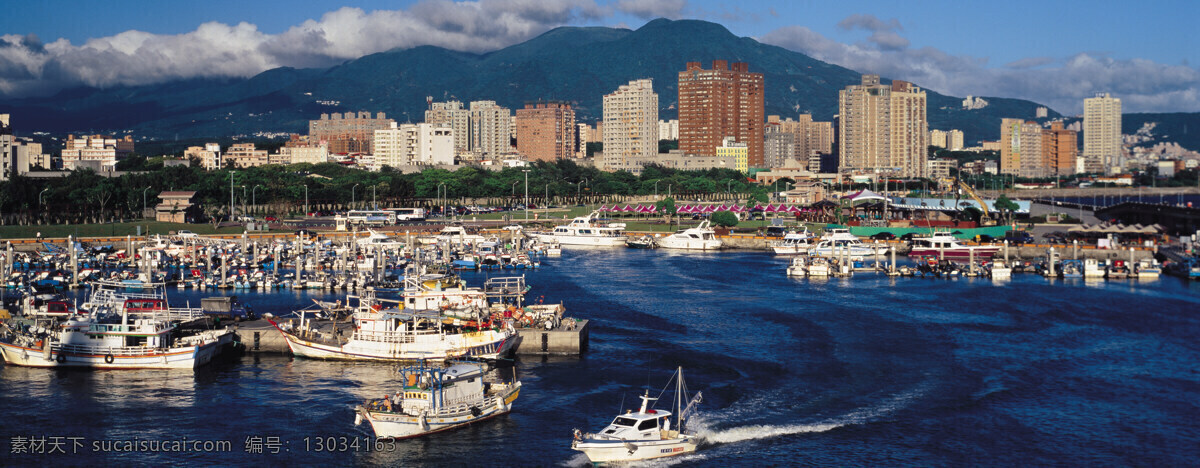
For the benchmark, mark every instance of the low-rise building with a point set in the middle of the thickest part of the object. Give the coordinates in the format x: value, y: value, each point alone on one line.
x: 243, y: 155
x: 176, y: 207
x: 100, y: 149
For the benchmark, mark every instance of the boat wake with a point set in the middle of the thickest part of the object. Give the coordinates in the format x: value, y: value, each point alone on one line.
x: 764, y: 431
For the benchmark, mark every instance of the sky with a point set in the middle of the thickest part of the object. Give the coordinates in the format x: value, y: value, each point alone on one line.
x: 1050, y: 51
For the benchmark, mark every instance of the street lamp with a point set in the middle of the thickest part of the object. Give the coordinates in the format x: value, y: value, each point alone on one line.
x: 40, y: 201
x: 727, y: 183
x: 144, y: 201
x: 669, y: 190
x: 526, y: 171
x: 306, y: 200
x: 374, y: 203
x: 352, y: 189
x: 231, y: 173
x: 243, y: 200
x: 254, y: 195
x: 656, y: 187
x: 439, y: 197
x: 513, y: 190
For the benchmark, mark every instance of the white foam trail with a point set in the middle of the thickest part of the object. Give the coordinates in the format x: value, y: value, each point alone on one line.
x: 763, y: 431
x: 578, y: 460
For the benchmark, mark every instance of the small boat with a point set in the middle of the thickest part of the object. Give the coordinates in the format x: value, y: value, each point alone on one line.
x: 701, y: 237
x: 799, y: 267
x: 433, y: 399
x: 1147, y: 269
x: 1000, y: 271
x: 644, y: 435
x: 1117, y: 270
x: 643, y: 242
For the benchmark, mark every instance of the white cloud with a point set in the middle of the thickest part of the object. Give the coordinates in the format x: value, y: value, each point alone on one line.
x: 649, y: 9
x: 28, y: 67
x: 1063, y: 83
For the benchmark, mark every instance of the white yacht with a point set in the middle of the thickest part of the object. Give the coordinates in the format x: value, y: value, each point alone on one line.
x: 644, y: 435
x: 839, y: 243
x: 586, y: 230
x: 432, y: 399
x: 453, y: 235
x: 794, y: 243
x: 701, y: 237
x: 378, y: 239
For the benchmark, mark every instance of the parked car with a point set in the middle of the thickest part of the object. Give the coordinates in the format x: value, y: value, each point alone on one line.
x: 908, y: 236
x: 271, y: 219
x: 1017, y: 237
x: 984, y: 238
x: 185, y: 233
x: 775, y: 231
x: 1056, y: 237
x: 883, y: 236
x: 306, y: 234
x: 228, y: 307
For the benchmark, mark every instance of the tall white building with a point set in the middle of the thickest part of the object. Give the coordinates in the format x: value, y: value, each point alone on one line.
x: 668, y: 129
x: 631, y: 121
x: 452, y: 114
x: 413, y: 144
x: 1101, y: 132
x: 883, y: 128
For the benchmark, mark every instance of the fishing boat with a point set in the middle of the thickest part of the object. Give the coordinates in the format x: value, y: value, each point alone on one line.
x: 701, y: 237
x: 433, y: 399
x: 1117, y: 270
x: 646, y: 434
x: 586, y: 230
x: 125, y: 328
x: 794, y: 243
x: 944, y: 245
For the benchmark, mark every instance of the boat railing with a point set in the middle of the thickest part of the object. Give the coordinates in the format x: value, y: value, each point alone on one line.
x: 113, y: 350
x: 391, y: 336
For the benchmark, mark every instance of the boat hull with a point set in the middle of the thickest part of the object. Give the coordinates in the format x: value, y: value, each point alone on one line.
x: 607, y: 451
x: 689, y: 244
x: 174, y: 358
x: 981, y: 253
x: 486, y: 345
x: 596, y: 241
x: 388, y: 425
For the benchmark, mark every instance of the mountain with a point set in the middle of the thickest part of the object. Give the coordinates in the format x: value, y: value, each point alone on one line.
x: 578, y: 64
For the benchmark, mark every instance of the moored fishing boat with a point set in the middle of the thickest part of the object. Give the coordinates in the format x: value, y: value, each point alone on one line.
x: 433, y: 399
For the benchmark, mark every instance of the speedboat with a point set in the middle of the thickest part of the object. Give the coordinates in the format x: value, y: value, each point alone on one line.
x: 433, y: 399
x: 1147, y: 269
x: 643, y: 242
x: 646, y: 434
x: 586, y: 230
x: 701, y: 237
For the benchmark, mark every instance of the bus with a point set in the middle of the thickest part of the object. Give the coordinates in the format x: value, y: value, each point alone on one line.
x: 408, y: 214
x: 370, y: 218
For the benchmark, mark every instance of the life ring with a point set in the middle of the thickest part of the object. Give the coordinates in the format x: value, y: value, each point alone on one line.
x: 109, y: 358
x: 61, y: 358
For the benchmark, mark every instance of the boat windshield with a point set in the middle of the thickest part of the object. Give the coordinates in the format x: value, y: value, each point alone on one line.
x: 627, y: 422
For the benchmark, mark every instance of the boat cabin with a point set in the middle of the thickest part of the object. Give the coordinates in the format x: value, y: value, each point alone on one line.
x: 640, y: 425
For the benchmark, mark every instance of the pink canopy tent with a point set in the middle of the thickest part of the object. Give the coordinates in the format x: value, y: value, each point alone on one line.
x: 603, y: 208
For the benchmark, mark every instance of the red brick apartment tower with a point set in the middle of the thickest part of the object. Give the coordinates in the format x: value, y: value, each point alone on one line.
x: 546, y: 131
x: 721, y: 102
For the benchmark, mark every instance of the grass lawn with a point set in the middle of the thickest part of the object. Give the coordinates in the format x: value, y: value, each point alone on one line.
x: 109, y: 230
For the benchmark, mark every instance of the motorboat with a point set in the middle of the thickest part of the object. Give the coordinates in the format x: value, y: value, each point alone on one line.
x: 1117, y: 270
x: 646, y: 434
x: 701, y: 237
x: 839, y: 243
x: 1147, y: 268
x: 643, y: 242
x: 1000, y: 270
x: 586, y: 230
x: 794, y: 243
x: 433, y: 399
x: 944, y: 245
x: 453, y: 235
x: 378, y: 240
x: 1092, y: 269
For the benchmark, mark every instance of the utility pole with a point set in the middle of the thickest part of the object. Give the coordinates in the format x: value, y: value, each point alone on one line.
x: 526, y: 171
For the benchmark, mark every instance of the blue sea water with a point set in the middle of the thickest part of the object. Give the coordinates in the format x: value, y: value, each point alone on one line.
x: 866, y: 371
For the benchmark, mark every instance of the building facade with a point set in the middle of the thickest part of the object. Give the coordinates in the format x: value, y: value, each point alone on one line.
x: 242, y: 155
x: 413, y: 144
x: 883, y: 129
x: 95, y: 149
x: 1101, y: 132
x: 546, y: 131
x: 491, y: 132
x: 674, y: 159
x: 722, y: 102
x: 631, y: 121
x: 349, y: 132
x: 668, y: 129
x: 1059, y: 149
x: 451, y: 114
x: 739, y: 152
x: 208, y: 155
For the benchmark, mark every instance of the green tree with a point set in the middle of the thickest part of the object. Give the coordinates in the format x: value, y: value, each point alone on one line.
x: 724, y: 218
x: 1006, y: 207
x: 667, y: 206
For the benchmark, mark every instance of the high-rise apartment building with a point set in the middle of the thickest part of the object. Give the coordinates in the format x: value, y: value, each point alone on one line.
x: 452, y: 114
x: 883, y: 129
x: 1021, y: 148
x: 718, y: 103
x: 954, y: 140
x: 1101, y: 132
x: 779, y: 147
x: 546, y: 131
x: 1059, y: 149
x: 349, y: 132
x: 668, y: 129
x: 630, y: 121
x: 811, y: 139
x: 491, y: 133
x: 8, y: 166
x: 413, y: 144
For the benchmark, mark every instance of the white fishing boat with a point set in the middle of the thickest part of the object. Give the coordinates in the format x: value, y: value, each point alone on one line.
x: 701, y: 237
x: 586, y: 230
x: 1092, y: 269
x: 434, y: 399
x: 794, y: 243
x: 122, y: 330
x: 646, y: 434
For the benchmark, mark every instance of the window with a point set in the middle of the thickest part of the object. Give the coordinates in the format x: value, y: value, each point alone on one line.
x: 648, y: 424
x: 627, y: 422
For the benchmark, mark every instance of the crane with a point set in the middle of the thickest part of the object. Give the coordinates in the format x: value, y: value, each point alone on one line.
x: 970, y: 191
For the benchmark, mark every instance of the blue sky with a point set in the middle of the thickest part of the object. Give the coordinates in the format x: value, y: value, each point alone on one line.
x: 1052, y: 51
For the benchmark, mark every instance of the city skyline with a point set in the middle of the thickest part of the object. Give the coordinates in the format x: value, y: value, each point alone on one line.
x: 1140, y: 55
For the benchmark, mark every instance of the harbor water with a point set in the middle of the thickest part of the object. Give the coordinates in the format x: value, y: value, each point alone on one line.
x: 863, y: 371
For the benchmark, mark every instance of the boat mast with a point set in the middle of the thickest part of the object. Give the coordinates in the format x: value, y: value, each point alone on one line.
x: 679, y: 400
